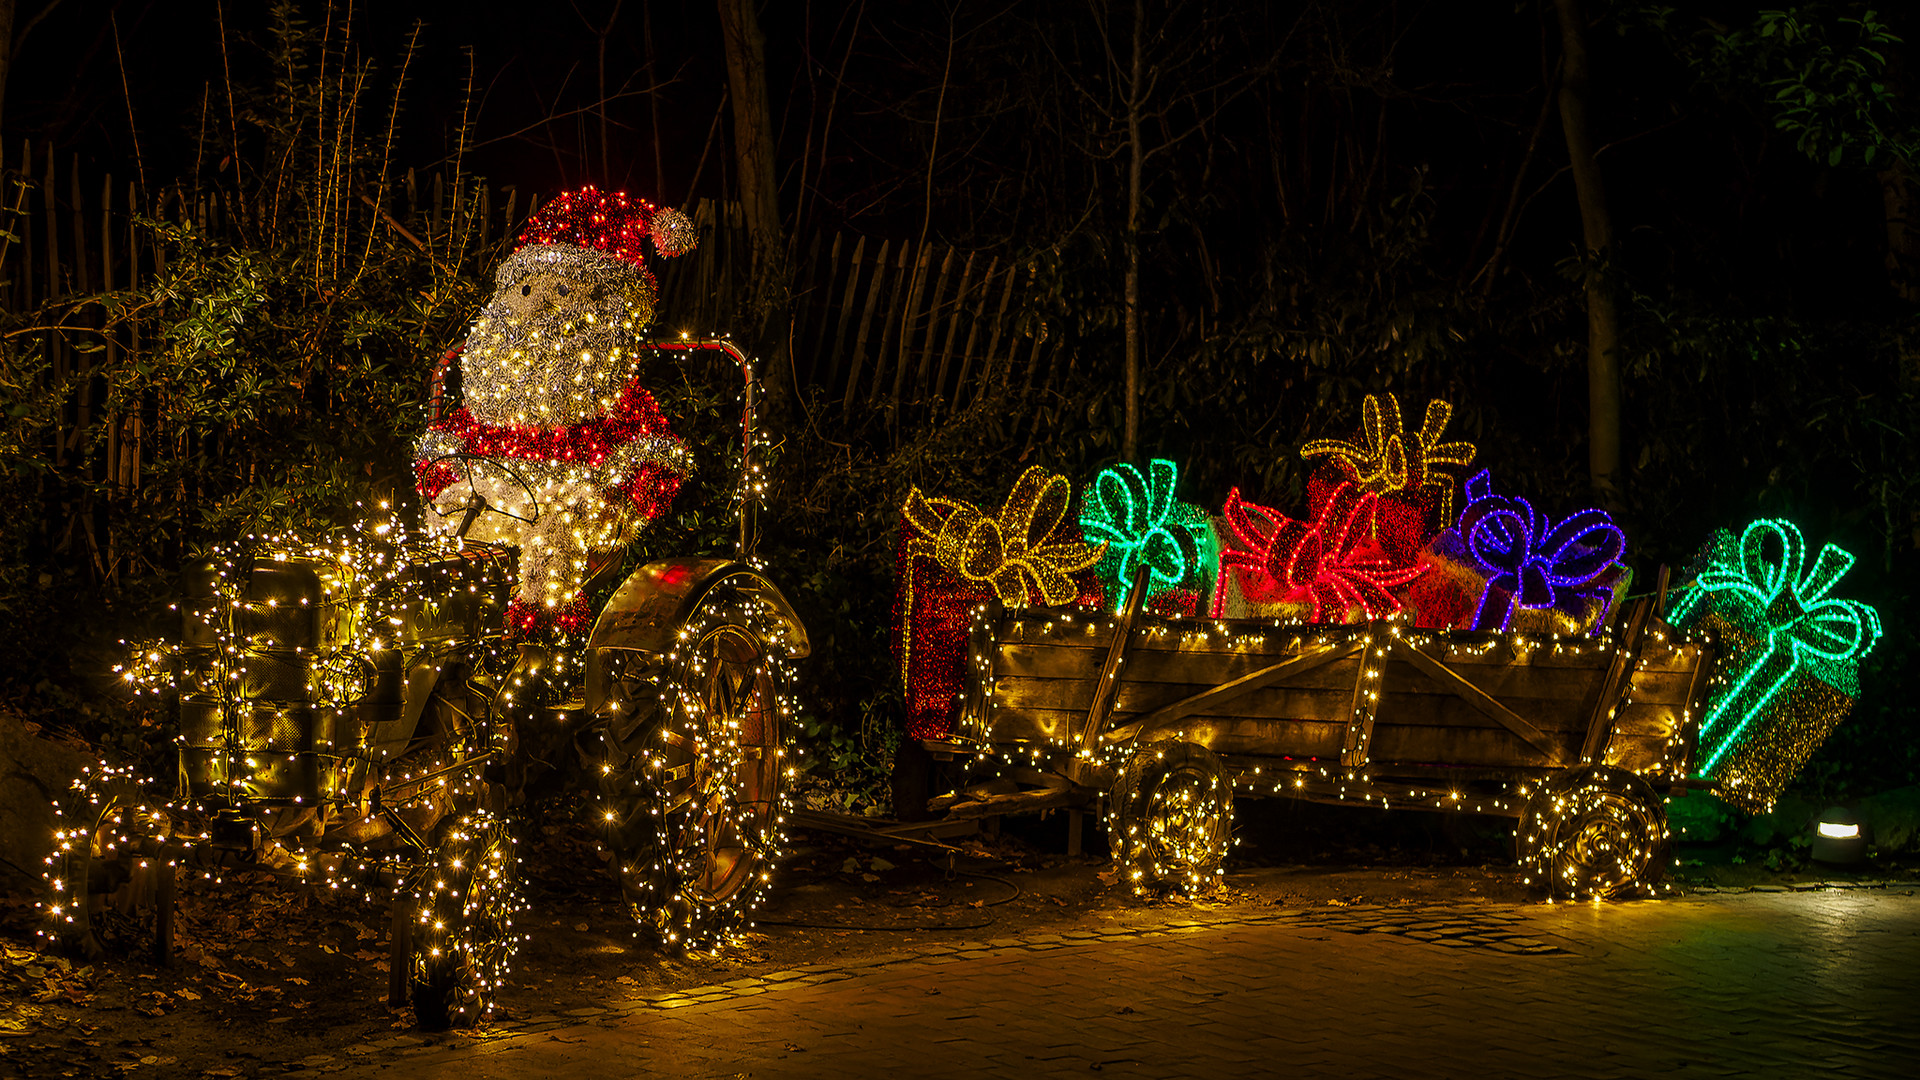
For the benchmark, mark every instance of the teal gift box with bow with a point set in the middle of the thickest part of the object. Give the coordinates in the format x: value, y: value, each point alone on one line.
x: 1790, y: 655
x: 1142, y: 525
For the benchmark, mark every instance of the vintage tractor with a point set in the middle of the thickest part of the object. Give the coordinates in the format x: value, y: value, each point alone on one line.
x: 354, y: 711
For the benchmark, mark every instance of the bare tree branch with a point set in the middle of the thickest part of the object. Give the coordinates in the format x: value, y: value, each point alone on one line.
x: 20, y: 35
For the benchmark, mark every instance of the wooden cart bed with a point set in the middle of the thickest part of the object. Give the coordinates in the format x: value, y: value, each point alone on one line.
x: 1379, y: 697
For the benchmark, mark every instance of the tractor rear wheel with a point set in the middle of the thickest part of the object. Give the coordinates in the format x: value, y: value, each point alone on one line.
x: 693, y: 773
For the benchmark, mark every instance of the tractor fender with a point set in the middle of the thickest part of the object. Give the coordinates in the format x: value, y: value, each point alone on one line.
x: 645, y: 614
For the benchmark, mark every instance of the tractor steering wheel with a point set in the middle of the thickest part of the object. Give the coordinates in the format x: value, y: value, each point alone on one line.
x: 477, y: 503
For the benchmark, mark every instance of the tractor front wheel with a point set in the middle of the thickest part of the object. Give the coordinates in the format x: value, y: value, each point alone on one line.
x: 465, y: 897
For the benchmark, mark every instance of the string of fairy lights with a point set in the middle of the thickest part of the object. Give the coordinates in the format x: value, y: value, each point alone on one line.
x: 695, y: 802
x: 1596, y: 832
x: 1171, y: 817
x: 1381, y: 572
x: 101, y: 818
x: 465, y: 939
x: 381, y: 599
x: 346, y: 700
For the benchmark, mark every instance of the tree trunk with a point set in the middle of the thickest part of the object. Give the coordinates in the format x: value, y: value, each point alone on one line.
x: 1130, y: 432
x: 753, y: 153
x: 653, y: 105
x: 1903, y: 253
x: 1603, y: 326
x: 1903, y: 240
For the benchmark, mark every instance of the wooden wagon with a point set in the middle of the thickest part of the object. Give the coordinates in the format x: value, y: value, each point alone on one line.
x: 1582, y: 739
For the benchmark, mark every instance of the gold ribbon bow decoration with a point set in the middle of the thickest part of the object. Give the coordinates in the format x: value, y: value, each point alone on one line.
x: 1014, y: 552
x: 1390, y: 458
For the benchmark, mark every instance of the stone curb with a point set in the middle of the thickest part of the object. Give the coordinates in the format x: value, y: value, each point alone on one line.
x: 1798, y: 886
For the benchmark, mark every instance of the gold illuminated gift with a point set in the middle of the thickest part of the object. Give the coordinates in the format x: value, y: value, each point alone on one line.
x: 1014, y: 551
x: 1390, y: 458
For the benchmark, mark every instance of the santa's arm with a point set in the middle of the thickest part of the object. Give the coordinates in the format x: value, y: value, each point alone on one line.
x: 431, y: 476
x: 648, y: 472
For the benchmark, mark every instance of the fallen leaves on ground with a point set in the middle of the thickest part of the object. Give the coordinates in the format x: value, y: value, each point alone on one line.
x: 45, y: 978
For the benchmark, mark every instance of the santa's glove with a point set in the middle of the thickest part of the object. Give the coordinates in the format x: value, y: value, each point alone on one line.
x: 651, y: 491
x: 576, y: 617
x: 432, y: 479
x: 648, y: 471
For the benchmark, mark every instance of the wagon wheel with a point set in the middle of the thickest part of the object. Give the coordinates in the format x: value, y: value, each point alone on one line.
x: 1597, y: 831
x: 466, y: 896
x: 693, y: 773
x: 1172, y: 816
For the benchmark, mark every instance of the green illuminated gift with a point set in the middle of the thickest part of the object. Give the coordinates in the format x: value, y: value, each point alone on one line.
x: 1792, y: 655
x: 1136, y: 516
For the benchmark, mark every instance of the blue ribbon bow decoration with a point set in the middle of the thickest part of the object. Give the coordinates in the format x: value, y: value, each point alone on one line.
x: 1530, y: 561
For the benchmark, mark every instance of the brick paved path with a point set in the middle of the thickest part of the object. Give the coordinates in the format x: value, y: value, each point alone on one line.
x: 1760, y: 984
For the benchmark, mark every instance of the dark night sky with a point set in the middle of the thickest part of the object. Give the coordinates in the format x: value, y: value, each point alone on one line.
x: 534, y: 59
x: 1458, y: 100
x: 529, y: 60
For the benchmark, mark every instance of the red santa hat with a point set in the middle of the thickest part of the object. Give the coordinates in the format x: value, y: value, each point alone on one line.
x: 610, y: 222
x: 598, y: 236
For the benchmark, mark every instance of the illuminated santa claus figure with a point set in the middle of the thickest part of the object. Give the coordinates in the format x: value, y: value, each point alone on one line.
x: 545, y: 411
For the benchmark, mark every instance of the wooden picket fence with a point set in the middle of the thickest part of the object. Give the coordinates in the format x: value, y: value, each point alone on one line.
x: 61, y: 247
x: 909, y: 327
x: 912, y: 331
x: 877, y: 324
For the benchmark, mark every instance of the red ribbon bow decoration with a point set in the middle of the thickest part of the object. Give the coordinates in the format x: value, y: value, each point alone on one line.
x: 1334, y: 563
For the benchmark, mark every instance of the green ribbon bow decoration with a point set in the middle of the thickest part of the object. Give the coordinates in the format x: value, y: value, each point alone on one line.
x: 1796, y: 625
x: 1141, y: 522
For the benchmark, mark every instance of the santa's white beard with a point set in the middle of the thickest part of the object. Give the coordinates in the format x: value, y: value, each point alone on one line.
x: 555, y: 368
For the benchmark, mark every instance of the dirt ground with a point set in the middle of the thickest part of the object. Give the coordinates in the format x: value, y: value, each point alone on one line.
x: 268, y: 975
